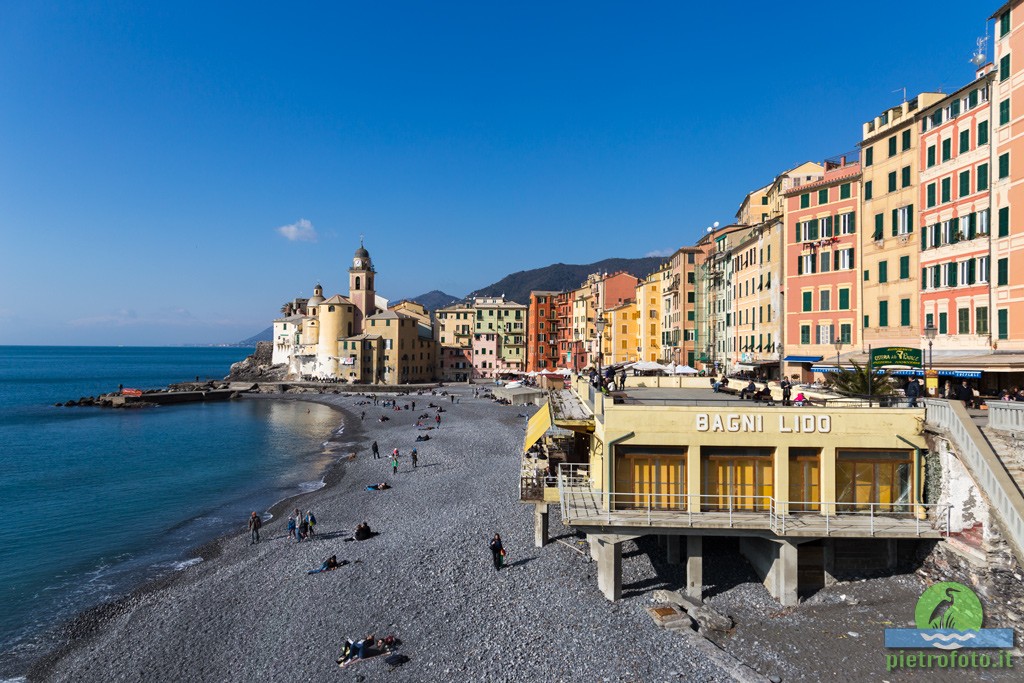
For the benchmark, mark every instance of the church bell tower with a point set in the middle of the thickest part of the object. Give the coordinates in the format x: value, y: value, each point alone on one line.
x: 360, y: 287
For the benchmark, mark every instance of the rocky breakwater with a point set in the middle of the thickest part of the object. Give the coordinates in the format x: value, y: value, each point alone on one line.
x: 183, y: 392
x: 258, y: 367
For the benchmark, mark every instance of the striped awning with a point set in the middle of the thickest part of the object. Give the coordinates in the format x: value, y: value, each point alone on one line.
x: 960, y: 374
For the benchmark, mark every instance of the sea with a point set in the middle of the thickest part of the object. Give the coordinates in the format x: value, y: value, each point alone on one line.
x: 97, y: 501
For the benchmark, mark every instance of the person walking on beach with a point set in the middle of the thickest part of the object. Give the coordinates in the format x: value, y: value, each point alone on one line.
x: 437, y: 420
x: 394, y: 462
x: 310, y: 521
x: 376, y: 451
x: 298, y: 525
x: 414, y: 455
x: 254, y: 528
x: 362, y: 416
x: 497, y: 552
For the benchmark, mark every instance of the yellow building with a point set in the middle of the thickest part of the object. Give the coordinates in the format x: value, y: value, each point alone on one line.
x: 621, y: 335
x: 890, y: 246
x: 649, y: 315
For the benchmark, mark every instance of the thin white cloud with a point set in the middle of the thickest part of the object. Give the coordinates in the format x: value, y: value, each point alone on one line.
x: 660, y: 252
x: 299, y: 231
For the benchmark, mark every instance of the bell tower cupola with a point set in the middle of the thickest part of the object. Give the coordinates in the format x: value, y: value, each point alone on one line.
x: 360, y: 286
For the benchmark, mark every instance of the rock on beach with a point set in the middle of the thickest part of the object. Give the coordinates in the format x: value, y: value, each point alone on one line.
x: 251, y: 613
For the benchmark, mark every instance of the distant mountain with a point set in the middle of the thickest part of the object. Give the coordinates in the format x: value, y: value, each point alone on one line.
x: 563, y: 276
x: 265, y: 335
x: 434, y: 299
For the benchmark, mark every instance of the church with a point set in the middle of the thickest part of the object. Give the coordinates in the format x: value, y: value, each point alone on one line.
x: 358, y: 338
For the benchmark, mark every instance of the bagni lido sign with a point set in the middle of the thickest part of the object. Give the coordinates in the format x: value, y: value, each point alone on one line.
x: 788, y: 424
x: 896, y: 355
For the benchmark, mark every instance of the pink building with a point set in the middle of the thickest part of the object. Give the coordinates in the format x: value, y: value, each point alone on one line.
x: 486, y: 359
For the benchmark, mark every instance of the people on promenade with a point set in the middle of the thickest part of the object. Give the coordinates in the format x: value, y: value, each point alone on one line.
x: 415, y: 456
x: 787, y: 391
x: 254, y: 528
x: 966, y: 394
x: 912, y: 391
x: 394, y: 462
x: 376, y: 450
x: 497, y: 552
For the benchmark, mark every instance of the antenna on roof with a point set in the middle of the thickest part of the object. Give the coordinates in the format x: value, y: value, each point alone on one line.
x: 904, y: 90
x: 978, y: 58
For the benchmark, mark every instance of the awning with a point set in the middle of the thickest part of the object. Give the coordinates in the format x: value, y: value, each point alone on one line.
x: 802, y: 359
x: 539, y: 423
x: 961, y: 374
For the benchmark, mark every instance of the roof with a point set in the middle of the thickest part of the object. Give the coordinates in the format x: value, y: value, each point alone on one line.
x: 387, y: 315
x: 842, y: 173
x: 364, y: 336
x: 291, y: 319
x: 337, y: 299
x: 1002, y: 9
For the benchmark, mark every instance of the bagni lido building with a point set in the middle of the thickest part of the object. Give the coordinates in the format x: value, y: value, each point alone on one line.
x: 805, y: 492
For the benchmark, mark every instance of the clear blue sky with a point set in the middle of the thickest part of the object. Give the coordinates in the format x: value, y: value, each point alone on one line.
x: 150, y: 152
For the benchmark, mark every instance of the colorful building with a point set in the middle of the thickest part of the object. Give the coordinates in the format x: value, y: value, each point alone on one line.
x: 542, y: 351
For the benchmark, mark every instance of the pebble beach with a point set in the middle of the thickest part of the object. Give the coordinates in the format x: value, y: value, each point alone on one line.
x: 251, y: 613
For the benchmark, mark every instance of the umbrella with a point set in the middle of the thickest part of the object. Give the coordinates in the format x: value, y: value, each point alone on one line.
x: 685, y: 370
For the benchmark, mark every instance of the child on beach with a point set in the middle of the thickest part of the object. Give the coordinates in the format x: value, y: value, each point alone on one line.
x: 394, y: 462
x: 414, y: 455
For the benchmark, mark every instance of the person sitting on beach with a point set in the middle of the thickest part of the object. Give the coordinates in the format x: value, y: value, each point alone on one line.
x: 360, y: 649
x: 423, y: 437
x: 362, y: 532
x: 330, y: 564
x: 378, y: 487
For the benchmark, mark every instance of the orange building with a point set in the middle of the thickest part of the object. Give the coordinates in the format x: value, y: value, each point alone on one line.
x: 542, y: 347
x: 822, y: 267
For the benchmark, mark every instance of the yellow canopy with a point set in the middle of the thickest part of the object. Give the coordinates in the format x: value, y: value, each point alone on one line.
x: 538, y: 424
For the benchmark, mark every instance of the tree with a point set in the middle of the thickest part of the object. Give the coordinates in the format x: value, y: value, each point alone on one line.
x: 855, y: 382
x: 286, y: 309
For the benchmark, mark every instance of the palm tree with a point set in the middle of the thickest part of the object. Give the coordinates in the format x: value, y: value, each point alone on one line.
x: 855, y: 382
x: 286, y: 309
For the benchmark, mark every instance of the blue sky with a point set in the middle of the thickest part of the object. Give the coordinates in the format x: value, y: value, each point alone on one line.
x: 150, y: 154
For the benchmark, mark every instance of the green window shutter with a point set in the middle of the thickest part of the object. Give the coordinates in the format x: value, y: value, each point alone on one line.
x: 931, y: 195
x: 1004, y: 112
x: 936, y: 277
x: 844, y: 191
x: 972, y: 98
x: 867, y: 321
x: 972, y: 226
x: 1004, y: 221
x: 924, y: 278
x: 895, y: 221
x: 931, y: 156
x: 883, y: 314
x: 982, y: 177
x: 983, y: 133
x: 965, y: 141
x: 947, y: 150
x: 1004, y: 23
x: 869, y: 156
x: 905, y: 312
x: 883, y: 271
x: 965, y: 183
x: 951, y: 274
x: 844, y: 299
x: 879, y: 226
x: 892, y: 181
x: 799, y: 232
x: 813, y: 230
x: 1002, y: 272
x: 905, y: 181
x: 954, y: 223
x: 906, y: 140
x: 972, y: 271
x: 910, y: 219
x: 1004, y: 68
x: 853, y: 222
x: 943, y: 323
x: 904, y: 267
x: 1004, y: 165
x: 946, y: 189
x: 892, y: 146
x: 867, y: 190
x: 1004, y: 323
x: 823, y: 196
x: 954, y: 108
x: 867, y: 275
x: 808, y: 298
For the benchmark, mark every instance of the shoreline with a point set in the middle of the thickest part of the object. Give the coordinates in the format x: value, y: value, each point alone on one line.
x: 77, y: 630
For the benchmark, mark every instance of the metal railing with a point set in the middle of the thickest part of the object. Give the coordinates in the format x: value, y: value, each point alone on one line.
x: 936, y: 515
x: 984, y: 464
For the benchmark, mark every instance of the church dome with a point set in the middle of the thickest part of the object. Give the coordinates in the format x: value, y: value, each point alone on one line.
x: 361, y: 252
x: 318, y: 296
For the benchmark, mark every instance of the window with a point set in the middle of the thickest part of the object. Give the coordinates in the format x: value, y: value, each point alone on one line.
x: 824, y: 334
x: 930, y: 191
x: 844, y: 191
x: 946, y: 189
x: 846, y: 224
x: 805, y: 334
x: 902, y: 220
x: 972, y: 99
x: 947, y: 149
x: 1004, y: 222
x: 869, y: 156
x: 805, y: 201
x: 1004, y: 23
x: 892, y: 146
x: 826, y: 262
x: 867, y: 321
x: 1004, y: 323
x: 879, y: 226
x: 965, y: 141
x: 1004, y: 112
x: 867, y: 190
x: 883, y: 314
x: 965, y: 183
x: 808, y: 300
x: 982, y: 177
x: 931, y: 156
x: 905, y: 312
x: 983, y: 131
x: 981, y: 320
x: 983, y: 269
x: 892, y: 181
x: 823, y: 196
x: 1004, y: 165
x: 905, y: 177
x: 845, y: 259
x: 1004, y: 68
x: 883, y: 271
x: 825, y: 302
x: 904, y: 267
x: 844, y: 299
x: 1002, y: 272
x: 906, y: 140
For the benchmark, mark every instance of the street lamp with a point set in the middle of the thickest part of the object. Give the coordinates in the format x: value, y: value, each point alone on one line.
x: 838, y: 346
x: 929, y: 333
x: 599, y: 326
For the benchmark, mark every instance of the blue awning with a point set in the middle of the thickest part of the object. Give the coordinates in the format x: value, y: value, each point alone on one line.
x: 802, y: 359
x: 960, y: 374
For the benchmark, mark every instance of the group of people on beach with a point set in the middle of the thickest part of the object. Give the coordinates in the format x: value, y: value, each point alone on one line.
x: 301, y: 526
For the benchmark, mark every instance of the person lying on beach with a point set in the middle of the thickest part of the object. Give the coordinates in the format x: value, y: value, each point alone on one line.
x: 330, y: 564
x: 383, y: 418
x: 361, y: 649
x: 383, y: 486
x: 423, y: 437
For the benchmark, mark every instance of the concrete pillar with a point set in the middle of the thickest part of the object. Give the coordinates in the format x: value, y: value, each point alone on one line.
x: 693, y: 478
x: 780, y: 483
x: 827, y: 484
x: 672, y: 555
x: 592, y: 540
x: 540, y: 524
x: 609, y: 568
x: 828, y: 555
x: 786, y: 574
x: 694, y: 566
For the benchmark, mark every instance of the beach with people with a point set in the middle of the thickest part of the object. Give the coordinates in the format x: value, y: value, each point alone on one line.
x: 426, y: 576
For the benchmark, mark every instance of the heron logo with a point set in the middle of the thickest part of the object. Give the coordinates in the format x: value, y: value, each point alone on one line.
x: 949, y: 617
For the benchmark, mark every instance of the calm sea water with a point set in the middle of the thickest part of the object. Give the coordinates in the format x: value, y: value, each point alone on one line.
x: 94, y: 501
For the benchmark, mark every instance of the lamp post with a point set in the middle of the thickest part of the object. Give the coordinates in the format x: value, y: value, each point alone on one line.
x: 599, y: 326
x: 782, y: 374
x: 838, y: 346
x: 929, y: 333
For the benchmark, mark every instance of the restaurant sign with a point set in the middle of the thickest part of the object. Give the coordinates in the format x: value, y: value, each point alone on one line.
x: 896, y: 355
